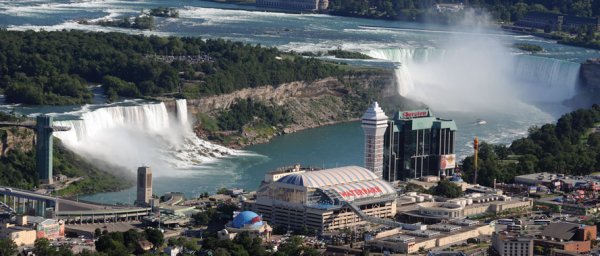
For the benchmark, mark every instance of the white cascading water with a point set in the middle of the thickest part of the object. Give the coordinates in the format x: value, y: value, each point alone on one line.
x: 182, y: 113
x: 129, y: 136
x: 404, y: 82
x: 558, y: 78
x: 534, y: 78
x: 405, y: 57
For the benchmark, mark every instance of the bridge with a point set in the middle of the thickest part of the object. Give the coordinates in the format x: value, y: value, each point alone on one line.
x: 32, y: 125
x: 356, y: 209
x: 19, y: 201
x: 43, y: 130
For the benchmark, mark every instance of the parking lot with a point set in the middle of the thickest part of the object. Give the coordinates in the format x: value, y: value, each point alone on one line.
x: 529, y: 223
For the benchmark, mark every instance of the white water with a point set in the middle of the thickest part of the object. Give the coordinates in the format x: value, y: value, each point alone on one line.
x: 405, y: 55
x: 182, y: 114
x: 532, y: 78
x: 129, y: 136
x: 557, y: 79
x: 404, y: 82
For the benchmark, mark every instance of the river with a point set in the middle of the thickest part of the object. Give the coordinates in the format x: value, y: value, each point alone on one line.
x: 462, y: 73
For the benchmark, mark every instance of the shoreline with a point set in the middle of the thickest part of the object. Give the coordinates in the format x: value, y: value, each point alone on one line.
x: 292, y: 132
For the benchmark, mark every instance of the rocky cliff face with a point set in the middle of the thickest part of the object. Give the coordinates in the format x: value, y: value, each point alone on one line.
x: 322, y: 102
x: 16, y: 138
x: 589, y: 75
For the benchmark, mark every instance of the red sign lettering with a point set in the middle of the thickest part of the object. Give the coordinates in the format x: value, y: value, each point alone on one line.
x: 360, y: 192
x: 256, y: 219
x: 413, y: 114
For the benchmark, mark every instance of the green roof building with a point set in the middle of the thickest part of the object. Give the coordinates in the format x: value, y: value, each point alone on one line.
x: 418, y: 144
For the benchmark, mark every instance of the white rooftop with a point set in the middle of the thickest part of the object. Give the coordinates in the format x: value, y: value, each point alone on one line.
x: 374, y: 113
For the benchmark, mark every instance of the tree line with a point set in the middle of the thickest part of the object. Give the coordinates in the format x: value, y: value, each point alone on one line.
x: 245, y: 111
x: 56, y: 67
x: 502, y: 10
x: 571, y: 146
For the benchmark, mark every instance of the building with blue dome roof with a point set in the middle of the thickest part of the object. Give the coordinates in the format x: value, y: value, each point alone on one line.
x: 247, y: 218
x: 246, y: 221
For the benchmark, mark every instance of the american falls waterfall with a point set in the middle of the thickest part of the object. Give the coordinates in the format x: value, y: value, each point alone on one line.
x: 145, y: 134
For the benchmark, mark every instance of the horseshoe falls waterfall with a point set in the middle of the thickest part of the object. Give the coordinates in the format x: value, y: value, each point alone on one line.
x: 130, y: 136
x: 475, y: 77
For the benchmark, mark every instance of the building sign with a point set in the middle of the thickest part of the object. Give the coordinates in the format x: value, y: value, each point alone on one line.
x: 256, y: 219
x: 50, y: 231
x: 414, y: 114
x: 360, y: 192
x: 447, y: 161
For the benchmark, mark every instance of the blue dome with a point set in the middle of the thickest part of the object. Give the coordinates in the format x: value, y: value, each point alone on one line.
x: 247, y: 218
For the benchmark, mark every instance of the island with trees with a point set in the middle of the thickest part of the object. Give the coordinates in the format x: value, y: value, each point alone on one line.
x: 127, y: 67
x: 142, y: 22
x: 164, y: 12
x: 532, y: 48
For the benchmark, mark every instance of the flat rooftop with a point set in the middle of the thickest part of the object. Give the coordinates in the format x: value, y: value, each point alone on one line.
x: 110, y: 227
x: 406, y: 235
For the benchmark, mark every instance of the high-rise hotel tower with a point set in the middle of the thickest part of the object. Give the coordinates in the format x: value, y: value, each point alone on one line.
x: 374, y: 124
x: 411, y: 145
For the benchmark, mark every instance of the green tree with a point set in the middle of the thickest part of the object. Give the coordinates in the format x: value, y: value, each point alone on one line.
x: 155, y: 237
x: 519, y: 10
x: 8, y: 247
x: 42, y: 247
x: 448, y: 189
x: 411, y: 187
x: 201, y: 218
x: 222, y: 252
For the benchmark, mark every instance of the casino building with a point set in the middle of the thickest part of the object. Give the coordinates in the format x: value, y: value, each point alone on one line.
x: 414, y: 144
x: 324, y: 200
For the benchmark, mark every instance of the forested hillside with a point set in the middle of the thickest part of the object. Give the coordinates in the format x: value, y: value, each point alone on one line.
x: 504, y: 10
x: 571, y: 146
x: 56, y: 67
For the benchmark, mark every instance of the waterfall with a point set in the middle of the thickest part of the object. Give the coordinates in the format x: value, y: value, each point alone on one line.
x: 403, y: 59
x: 182, y: 113
x: 129, y: 136
x: 405, y: 55
x: 404, y: 82
x: 533, y: 78
x: 149, y: 117
x: 558, y: 78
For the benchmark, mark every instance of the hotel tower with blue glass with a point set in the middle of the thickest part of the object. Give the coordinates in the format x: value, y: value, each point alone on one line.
x: 414, y: 144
